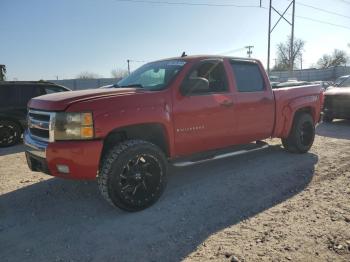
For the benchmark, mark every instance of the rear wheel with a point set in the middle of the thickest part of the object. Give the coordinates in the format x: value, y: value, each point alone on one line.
x: 133, y: 175
x: 302, y: 135
x: 10, y: 133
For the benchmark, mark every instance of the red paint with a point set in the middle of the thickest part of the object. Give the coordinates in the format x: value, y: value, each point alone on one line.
x: 82, y: 157
x: 203, y: 122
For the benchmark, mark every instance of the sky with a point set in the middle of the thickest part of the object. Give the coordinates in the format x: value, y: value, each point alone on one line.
x: 47, y: 39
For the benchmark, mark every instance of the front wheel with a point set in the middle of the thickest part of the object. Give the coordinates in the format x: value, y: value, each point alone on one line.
x: 133, y: 175
x: 302, y: 135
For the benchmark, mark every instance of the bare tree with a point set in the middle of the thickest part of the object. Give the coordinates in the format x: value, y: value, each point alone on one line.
x: 338, y: 57
x: 119, y: 73
x: 88, y: 75
x: 284, y: 56
x: 2, y: 72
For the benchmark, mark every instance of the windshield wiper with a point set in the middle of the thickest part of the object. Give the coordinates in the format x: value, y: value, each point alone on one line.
x: 133, y: 85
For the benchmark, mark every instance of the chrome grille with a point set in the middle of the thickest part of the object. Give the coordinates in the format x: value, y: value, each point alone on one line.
x: 40, y: 125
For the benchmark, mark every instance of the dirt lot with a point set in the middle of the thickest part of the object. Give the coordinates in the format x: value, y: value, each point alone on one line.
x: 264, y: 206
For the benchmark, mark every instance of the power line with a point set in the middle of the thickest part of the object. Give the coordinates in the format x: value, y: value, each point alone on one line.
x: 317, y: 20
x: 233, y: 5
x: 323, y: 10
x: 232, y: 51
x: 187, y: 3
x: 344, y: 1
x: 322, y: 22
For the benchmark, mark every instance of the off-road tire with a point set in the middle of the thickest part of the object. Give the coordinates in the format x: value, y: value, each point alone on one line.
x: 10, y: 133
x: 117, y: 170
x: 302, y: 134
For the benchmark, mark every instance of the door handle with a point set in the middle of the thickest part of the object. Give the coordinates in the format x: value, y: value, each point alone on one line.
x: 227, y: 103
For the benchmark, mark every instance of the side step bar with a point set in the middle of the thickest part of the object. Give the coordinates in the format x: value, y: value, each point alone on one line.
x: 220, y: 155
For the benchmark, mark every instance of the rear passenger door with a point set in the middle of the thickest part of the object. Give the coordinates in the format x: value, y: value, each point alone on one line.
x: 254, y: 104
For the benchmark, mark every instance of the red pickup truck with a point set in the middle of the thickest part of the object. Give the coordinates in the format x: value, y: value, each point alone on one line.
x: 180, y: 111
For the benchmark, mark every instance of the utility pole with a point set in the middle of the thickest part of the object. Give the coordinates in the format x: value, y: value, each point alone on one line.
x: 269, y: 41
x: 128, y: 61
x: 292, y: 43
x: 249, y: 51
x: 281, y: 16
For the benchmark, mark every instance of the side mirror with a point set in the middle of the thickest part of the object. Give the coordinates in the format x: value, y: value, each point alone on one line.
x: 196, y: 85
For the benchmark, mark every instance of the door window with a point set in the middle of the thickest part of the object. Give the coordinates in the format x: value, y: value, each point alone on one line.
x: 207, y: 77
x: 248, y: 76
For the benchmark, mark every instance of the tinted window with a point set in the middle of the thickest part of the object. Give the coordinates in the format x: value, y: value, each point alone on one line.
x: 53, y: 89
x: 8, y: 96
x: 214, y: 72
x: 248, y: 76
x: 27, y: 92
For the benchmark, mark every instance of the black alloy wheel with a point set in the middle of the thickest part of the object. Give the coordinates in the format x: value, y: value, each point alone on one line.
x: 10, y: 133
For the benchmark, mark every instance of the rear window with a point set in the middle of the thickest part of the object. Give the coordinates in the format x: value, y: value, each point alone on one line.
x: 53, y: 89
x: 248, y: 76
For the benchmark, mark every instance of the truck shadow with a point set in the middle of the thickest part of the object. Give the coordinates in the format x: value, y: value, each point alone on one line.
x: 337, y: 129
x: 11, y: 150
x: 68, y: 220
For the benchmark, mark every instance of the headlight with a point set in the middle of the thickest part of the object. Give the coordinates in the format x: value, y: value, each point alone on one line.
x: 73, y: 126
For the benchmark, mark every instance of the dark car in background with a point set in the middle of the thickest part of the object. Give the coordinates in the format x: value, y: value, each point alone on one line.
x: 14, y: 96
x: 341, y: 79
x: 337, y: 100
x: 323, y: 84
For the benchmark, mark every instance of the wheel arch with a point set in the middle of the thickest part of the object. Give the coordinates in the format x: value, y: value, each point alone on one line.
x: 151, y: 132
x: 297, y: 111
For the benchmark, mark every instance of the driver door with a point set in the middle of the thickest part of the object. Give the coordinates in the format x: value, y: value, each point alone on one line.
x: 203, y: 117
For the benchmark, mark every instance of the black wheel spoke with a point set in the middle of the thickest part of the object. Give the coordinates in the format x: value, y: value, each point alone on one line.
x: 140, y: 177
x: 144, y: 185
x: 135, y: 189
x: 126, y: 187
x: 148, y: 174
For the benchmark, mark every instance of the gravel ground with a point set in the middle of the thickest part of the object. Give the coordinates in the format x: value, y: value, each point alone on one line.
x: 263, y: 206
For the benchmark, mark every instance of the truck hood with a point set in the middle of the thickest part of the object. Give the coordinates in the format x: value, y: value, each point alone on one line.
x: 338, y: 91
x: 60, y: 101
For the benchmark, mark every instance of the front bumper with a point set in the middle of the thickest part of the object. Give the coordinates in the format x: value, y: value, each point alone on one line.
x: 81, y: 157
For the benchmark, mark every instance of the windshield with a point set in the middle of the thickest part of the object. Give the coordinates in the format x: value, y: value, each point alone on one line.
x: 153, y: 76
x: 339, y: 80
